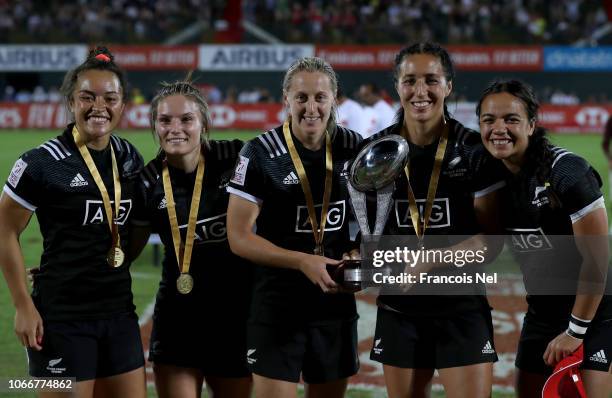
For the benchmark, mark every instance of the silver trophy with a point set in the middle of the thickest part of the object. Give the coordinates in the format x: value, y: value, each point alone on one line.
x: 375, y: 168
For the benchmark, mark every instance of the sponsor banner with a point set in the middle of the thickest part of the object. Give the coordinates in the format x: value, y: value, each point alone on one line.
x: 474, y: 58
x: 156, y: 57
x: 359, y: 57
x: 235, y: 116
x: 574, y: 118
x: 507, y: 58
x: 560, y: 58
x: 251, y: 58
x: 557, y: 118
x: 33, y: 116
x: 55, y: 116
x: 39, y: 58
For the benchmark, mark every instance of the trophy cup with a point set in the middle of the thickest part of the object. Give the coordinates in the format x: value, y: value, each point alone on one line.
x: 375, y: 168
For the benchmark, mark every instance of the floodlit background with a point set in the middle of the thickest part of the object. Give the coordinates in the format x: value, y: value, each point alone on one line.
x: 239, y: 50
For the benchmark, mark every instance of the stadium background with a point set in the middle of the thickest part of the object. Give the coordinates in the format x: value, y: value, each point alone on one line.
x: 238, y: 51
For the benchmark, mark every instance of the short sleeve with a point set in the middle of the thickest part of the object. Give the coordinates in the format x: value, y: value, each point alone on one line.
x: 487, y: 173
x: 25, y: 181
x: 248, y: 180
x: 577, y: 185
x: 145, y: 192
x: 140, y: 216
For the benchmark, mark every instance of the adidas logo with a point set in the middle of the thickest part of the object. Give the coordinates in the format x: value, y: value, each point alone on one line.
x: 291, y: 179
x: 377, y: 350
x: 78, y: 181
x: 599, y: 356
x: 250, y: 352
x: 488, y: 348
x: 163, y: 204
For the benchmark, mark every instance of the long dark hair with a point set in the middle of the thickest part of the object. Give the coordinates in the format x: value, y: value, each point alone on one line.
x: 538, y: 156
x: 99, y: 58
x: 424, y: 48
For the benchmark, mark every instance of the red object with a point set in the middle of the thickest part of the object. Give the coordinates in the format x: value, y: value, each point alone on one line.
x: 566, y: 380
x: 556, y: 118
x: 103, y: 57
x: 152, y: 57
x: 472, y: 58
x: 587, y: 118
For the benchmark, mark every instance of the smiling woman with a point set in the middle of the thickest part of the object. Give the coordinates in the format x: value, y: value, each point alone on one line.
x: 555, y: 192
x: 186, y: 205
x: 418, y: 334
x: 80, y: 320
x: 290, y: 182
x: 96, y: 104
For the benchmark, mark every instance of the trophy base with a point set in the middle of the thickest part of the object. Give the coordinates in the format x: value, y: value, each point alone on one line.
x: 348, y: 274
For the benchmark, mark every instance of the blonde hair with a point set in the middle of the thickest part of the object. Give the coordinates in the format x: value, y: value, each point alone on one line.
x: 312, y: 65
x: 187, y: 90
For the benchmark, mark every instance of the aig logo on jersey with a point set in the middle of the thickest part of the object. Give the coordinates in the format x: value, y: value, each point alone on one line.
x: 529, y: 240
x: 440, y: 213
x: 335, y: 217
x: 209, y: 230
x: 95, y: 213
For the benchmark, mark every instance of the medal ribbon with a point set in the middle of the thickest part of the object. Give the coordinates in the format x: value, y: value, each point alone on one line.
x: 185, y: 261
x: 299, y: 168
x: 93, y: 170
x: 419, y: 228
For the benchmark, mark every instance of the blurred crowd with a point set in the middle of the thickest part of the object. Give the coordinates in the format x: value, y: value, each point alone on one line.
x: 39, y: 95
x: 367, y: 95
x: 444, y: 21
x: 119, y: 21
x: 342, y: 21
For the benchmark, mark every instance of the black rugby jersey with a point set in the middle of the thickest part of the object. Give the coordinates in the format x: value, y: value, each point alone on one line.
x: 216, y: 271
x: 538, y: 217
x: 75, y: 281
x: 265, y: 175
x: 467, y: 172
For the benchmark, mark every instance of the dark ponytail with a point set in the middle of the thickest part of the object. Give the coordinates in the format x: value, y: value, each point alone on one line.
x: 538, y: 155
x: 430, y: 49
x: 100, y: 58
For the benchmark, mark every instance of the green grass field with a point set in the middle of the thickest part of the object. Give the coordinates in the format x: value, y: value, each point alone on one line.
x: 146, y: 277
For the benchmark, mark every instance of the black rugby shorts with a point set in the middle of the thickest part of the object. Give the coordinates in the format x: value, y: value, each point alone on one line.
x: 88, y: 349
x: 321, y: 353
x: 537, y: 333
x: 214, y: 345
x: 433, y: 343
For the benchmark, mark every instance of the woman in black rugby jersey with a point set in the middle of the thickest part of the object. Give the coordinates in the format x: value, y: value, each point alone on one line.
x: 199, y: 322
x: 80, y: 321
x: 422, y: 332
x: 291, y: 184
x: 556, y: 192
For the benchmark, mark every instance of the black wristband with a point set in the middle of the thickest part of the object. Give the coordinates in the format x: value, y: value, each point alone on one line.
x: 573, y: 334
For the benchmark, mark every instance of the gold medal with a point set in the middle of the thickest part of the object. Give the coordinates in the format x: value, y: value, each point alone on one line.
x: 115, y: 257
x: 184, y: 283
x: 318, y: 228
x: 420, y: 227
